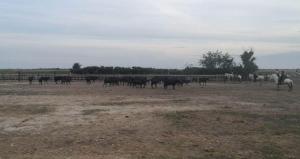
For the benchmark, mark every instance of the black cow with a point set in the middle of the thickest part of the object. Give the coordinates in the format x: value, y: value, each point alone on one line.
x: 202, y: 81
x: 91, y: 79
x: 57, y: 79
x: 124, y: 80
x: 186, y: 81
x: 30, y: 79
x: 66, y: 80
x: 111, y: 81
x: 155, y: 81
x: 138, y: 82
x: 182, y: 81
x: 44, y: 80
x: 63, y: 79
x: 171, y: 81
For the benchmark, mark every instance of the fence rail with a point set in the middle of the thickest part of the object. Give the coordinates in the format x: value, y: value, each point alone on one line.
x: 78, y: 77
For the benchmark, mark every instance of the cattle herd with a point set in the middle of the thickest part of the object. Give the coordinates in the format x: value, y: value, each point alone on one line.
x: 131, y: 81
x: 154, y: 81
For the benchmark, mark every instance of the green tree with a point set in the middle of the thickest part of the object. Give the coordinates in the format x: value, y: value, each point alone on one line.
x: 217, y: 60
x: 76, y: 68
x: 227, y: 62
x: 248, y: 63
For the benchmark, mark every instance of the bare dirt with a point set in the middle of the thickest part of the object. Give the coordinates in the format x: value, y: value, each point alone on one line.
x: 220, y: 121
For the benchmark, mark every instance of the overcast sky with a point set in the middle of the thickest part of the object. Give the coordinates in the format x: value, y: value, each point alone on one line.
x: 162, y: 33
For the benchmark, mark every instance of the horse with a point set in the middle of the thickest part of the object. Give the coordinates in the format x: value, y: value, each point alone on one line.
x: 232, y: 77
x: 228, y: 76
x: 286, y: 81
x: 238, y: 78
x: 260, y: 79
x: 255, y: 78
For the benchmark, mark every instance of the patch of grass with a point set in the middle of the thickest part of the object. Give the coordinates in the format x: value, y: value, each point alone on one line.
x: 283, y: 124
x: 230, y: 122
x: 274, y: 124
x: 26, y: 109
x: 181, y: 100
x: 92, y: 111
x: 125, y: 103
x: 38, y: 110
x: 179, y: 118
x: 156, y: 157
x: 217, y: 155
x: 165, y: 157
x: 271, y: 151
x: 212, y: 155
x: 242, y: 114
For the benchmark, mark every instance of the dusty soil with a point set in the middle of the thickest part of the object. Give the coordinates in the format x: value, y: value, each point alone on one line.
x: 220, y: 121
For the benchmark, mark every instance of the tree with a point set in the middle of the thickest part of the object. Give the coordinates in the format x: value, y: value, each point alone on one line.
x: 217, y: 60
x: 227, y: 62
x: 76, y: 68
x: 211, y: 60
x: 248, y: 63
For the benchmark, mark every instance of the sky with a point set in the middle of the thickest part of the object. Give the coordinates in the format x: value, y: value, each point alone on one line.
x: 147, y: 33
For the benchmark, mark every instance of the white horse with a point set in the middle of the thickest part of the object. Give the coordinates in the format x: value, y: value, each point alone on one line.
x: 259, y: 78
x: 286, y: 81
x: 228, y: 77
x: 251, y: 77
x: 232, y: 77
x: 239, y: 78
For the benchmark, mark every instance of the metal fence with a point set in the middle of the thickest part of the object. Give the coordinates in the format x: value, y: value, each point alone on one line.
x: 78, y: 77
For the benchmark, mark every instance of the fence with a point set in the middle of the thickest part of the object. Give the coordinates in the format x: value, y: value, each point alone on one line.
x: 78, y: 77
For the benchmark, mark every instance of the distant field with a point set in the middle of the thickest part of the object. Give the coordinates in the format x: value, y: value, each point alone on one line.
x: 58, y: 70
x: 293, y: 73
x: 15, y: 71
x: 23, y: 74
x: 272, y: 70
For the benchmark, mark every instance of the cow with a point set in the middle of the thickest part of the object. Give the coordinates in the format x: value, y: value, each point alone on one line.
x: 91, y: 79
x: 63, y: 79
x: 57, y: 79
x: 139, y: 82
x: 111, y: 81
x: 66, y: 80
x: 171, y: 81
x: 203, y: 81
x: 44, y: 79
x: 124, y: 80
x: 155, y: 81
x: 30, y: 79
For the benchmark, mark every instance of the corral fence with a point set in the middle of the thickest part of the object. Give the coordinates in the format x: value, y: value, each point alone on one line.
x: 78, y: 77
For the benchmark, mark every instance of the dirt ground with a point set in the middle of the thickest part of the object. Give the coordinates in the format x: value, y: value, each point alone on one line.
x: 220, y: 121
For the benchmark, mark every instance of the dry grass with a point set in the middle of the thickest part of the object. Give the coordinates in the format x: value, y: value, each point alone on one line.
x: 26, y: 109
x: 92, y: 111
x: 221, y: 121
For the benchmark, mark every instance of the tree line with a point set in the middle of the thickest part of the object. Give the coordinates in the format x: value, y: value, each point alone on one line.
x: 211, y: 63
x: 224, y: 61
